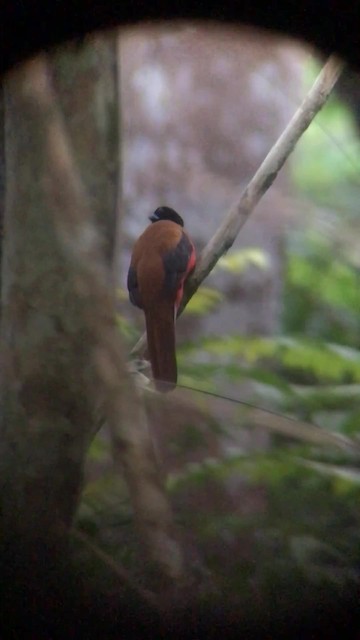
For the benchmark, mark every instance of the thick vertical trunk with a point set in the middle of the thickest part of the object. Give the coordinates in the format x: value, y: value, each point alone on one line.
x: 2, y: 170
x: 86, y: 83
x: 46, y: 415
x: 61, y: 357
x: 46, y: 367
x: 47, y: 372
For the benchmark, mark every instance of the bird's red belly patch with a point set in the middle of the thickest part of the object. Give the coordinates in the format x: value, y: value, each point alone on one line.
x: 190, y: 267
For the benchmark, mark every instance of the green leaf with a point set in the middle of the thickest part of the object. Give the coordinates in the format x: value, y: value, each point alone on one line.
x: 325, y: 362
x: 204, y: 301
x: 239, y: 261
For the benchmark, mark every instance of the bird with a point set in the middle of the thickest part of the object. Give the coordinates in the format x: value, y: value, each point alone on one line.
x: 162, y: 259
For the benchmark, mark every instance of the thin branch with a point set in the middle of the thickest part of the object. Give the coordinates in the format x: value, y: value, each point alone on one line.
x: 301, y: 430
x: 328, y: 396
x: 227, y: 232
x: 351, y: 474
x: 288, y: 426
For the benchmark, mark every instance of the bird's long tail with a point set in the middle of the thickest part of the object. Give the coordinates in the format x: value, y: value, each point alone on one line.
x: 160, y: 330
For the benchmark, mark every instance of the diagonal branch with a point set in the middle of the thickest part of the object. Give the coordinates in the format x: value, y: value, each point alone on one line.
x: 227, y: 232
x: 301, y: 430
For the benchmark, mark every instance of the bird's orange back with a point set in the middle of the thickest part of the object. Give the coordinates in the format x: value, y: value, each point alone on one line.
x: 162, y: 258
x: 148, y: 260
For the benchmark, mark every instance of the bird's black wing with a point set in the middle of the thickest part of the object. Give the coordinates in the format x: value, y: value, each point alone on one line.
x: 176, y: 263
x: 133, y: 288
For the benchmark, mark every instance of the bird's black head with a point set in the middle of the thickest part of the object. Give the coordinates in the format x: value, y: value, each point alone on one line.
x: 166, y: 213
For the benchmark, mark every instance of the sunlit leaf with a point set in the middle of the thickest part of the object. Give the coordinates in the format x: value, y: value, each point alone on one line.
x: 204, y: 301
x: 324, y: 361
x: 239, y: 261
x: 98, y: 450
x: 126, y: 328
x: 121, y: 294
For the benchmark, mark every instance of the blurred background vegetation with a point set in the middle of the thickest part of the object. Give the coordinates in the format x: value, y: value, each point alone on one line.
x: 278, y: 524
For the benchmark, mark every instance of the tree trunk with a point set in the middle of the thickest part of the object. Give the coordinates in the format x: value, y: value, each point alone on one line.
x: 61, y: 356
x: 85, y: 78
x: 2, y: 171
x: 45, y: 365
x: 47, y: 372
x: 46, y: 415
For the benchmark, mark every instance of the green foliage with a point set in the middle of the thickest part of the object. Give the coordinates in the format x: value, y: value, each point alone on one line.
x: 305, y: 536
x: 301, y: 540
x: 337, y: 283
x: 328, y: 154
x: 322, y: 289
x: 189, y: 439
x: 240, y: 260
x: 307, y: 539
x: 204, y: 301
x: 295, y: 358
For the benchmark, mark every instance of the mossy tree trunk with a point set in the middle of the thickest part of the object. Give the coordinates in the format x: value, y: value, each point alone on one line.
x: 47, y: 373
x: 85, y: 78
x: 61, y: 358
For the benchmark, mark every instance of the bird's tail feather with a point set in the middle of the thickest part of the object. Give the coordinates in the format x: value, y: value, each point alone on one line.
x: 160, y: 330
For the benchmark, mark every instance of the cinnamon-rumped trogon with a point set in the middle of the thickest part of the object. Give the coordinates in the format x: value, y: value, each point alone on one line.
x: 162, y: 258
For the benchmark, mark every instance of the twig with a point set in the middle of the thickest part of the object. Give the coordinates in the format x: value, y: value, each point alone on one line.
x: 302, y: 430
x: 226, y: 234
x: 286, y: 425
x: 351, y: 474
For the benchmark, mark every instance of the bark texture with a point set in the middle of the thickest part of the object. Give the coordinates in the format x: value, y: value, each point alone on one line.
x: 46, y: 414
x: 62, y: 360
x: 85, y: 78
